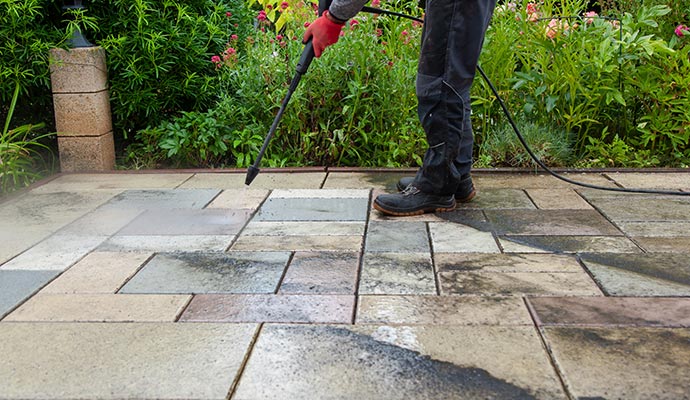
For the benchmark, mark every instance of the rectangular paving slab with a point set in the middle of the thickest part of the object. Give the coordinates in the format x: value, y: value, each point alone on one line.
x: 265, y: 180
x: 298, y: 243
x: 558, y: 199
x: 167, y: 243
x: 551, y: 222
x: 644, y: 208
x: 56, y: 253
x: 188, y: 222
x: 501, y: 199
x: 313, y: 209
x: 632, y: 311
x: 116, y: 361
x: 234, y: 272
x: 567, y: 244
x: 403, y: 362
x: 669, y: 181
x: 314, y: 309
x: 656, y: 229
x: 397, y: 273
x: 517, y: 284
x: 321, y: 273
x: 16, y: 286
x: 163, y: 199
x: 109, y: 181
x: 622, y: 363
x: 100, y: 308
x: 677, y: 244
x: 304, y: 228
x: 641, y: 274
x: 441, y: 310
x: 247, y: 199
x: 479, y: 262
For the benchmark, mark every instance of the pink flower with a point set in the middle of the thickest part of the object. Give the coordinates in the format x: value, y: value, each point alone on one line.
x: 353, y: 22
x: 590, y: 15
x: 552, y: 29
x: 379, y: 32
x: 284, y: 5
x: 279, y: 37
x: 228, y: 14
x: 215, y: 60
x: 375, y: 3
x: 511, y: 6
x: 262, y: 16
x: 269, y: 6
x: 682, y: 30
x: 234, y: 37
x: 532, y: 8
x: 230, y: 50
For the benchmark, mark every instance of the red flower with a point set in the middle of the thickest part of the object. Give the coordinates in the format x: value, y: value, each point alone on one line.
x: 262, y: 16
x: 284, y: 5
x: 228, y: 14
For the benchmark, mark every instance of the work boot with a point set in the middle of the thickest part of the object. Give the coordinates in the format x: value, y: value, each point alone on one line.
x: 463, y: 194
x: 412, y: 201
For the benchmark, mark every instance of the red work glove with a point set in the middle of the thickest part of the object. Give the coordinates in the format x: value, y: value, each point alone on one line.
x: 324, y: 32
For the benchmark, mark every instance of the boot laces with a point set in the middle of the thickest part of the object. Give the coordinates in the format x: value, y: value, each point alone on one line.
x: 410, y: 190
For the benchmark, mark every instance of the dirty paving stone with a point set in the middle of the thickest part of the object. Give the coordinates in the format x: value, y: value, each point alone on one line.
x: 551, y: 222
x: 307, y: 309
x: 192, y: 273
x: 442, y: 310
x: 640, y: 274
x: 166, y: 243
x: 623, y: 362
x: 501, y: 199
x: 455, y: 238
x: 644, y: 208
x: 384, y: 362
x: 162, y: 199
x: 481, y: 262
x: 397, y: 237
x: 303, y: 228
x: 615, y: 311
x: 321, y: 273
x: 664, y: 244
x: 397, y: 273
x: 319, y: 209
x: 121, y: 361
x: 517, y: 284
x: 298, y: 243
x: 558, y: 199
x: 567, y: 244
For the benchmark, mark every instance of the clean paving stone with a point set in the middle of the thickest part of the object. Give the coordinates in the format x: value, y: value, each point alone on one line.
x: 308, y: 309
x: 247, y: 199
x: 16, y: 286
x: 359, y: 180
x: 265, y: 180
x: 298, y: 243
x: 110, y: 181
x: 397, y: 273
x: 536, y: 181
x: 656, y: 229
x: 668, y: 181
x: 622, y: 363
x: 100, y: 308
x: 617, y: 311
x: 397, y: 237
x: 644, y: 208
x: 517, y: 284
x: 664, y: 244
x: 304, y: 228
x: 321, y: 273
x: 449, y: 237
x: 551, y: 222
x: 194, y: 273
x: 313, y: 209
x: 403, y: 362
x: 167, y: 243
x: 56, y: 253
x: 116, y: 361
x: 98, y: 272
x: 442, y: 310
x: 558, y: 199
x: 501, y: 199
x: 101, y: 222
x: 479, y: 262
x: 188, y: 222
x: 567, y: 244
x: 163, y: 199
x: 641, y: 274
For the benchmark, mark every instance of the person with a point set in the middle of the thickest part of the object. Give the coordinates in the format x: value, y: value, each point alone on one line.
x: 452, y: 39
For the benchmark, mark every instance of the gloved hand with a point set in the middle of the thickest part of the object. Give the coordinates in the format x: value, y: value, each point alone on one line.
x: 324, y: 32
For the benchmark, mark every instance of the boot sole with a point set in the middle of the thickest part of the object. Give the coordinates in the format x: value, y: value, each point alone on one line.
x: 415, y: 212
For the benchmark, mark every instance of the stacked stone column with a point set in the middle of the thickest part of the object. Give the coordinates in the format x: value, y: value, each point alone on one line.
x: 79, y: 79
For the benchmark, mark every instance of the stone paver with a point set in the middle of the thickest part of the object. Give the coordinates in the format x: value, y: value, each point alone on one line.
x: 384, y: 362
x: 210, y: 273
x: 642, y: 274
x: 295, y: 287
x: 630, y: 311
x: 442, y: 310
x: 115, y: 361
x: 16, y: 286
x: 622, y: 363
x: 100, y: 308
x: 337, y: 309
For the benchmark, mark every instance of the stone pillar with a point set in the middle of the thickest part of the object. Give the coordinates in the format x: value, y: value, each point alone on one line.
x: 79, y: 79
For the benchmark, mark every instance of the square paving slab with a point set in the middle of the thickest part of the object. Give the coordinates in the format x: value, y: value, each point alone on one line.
x: 321, y: 273
x: 622, y: 363
x: 397, y: 237
x: 121, y: 361
x: 247, y: 199
x: 313, y: 209
x: 632, y: 311
x: 551, y: 222
x: 558, y: 199
x: 448, y: 237
x: 384, y: 362
x: 210, y: 273
x: 641, y: 274
x: 397, y: 273
x: 333, y: 309
x: 16, y: 286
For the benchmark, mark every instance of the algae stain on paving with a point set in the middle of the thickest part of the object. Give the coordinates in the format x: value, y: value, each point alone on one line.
x: 337, y: 363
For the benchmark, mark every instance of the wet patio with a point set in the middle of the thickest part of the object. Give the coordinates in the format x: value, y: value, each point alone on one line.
x: 189, y: 285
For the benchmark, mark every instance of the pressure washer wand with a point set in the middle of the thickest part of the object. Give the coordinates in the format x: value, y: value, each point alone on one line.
x: 302, y: 67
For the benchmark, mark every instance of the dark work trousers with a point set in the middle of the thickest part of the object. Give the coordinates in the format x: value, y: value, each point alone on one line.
x: 451, y: 43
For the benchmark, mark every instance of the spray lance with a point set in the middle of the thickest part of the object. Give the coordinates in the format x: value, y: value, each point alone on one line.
x: 308, y: 55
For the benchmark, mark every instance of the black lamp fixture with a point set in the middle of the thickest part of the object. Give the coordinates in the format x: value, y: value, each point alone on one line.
x: 77, y: 39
